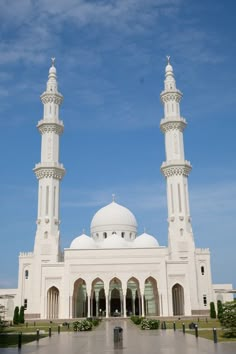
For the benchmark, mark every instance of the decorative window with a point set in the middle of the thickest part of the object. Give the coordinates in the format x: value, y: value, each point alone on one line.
x: 104, y: 234
x: 25, y: 304
x: 202, y: 270
x: 204, y: 300
x: 122, y: 234
x: 113, y: 233
x: 26, y: 274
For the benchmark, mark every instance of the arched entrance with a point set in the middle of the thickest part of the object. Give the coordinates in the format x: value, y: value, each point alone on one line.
x: 151, y: 298
x: 79, y: 299
x: 52, y: 303
x: 98, y: 298
x: 133, y: 297
x: 178, y: 300
x: 115, y: 290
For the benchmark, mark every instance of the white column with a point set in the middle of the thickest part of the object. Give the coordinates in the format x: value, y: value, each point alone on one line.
x: 89, y: 306
x: 143, y: 310
x: 124, y: 305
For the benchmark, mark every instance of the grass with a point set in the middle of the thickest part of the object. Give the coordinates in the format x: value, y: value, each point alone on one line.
x: 202, y: 323
x: 9, y: 340
x: 208, y: 334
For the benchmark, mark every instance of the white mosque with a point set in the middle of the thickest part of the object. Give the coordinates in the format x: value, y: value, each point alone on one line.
x: 114, y: 271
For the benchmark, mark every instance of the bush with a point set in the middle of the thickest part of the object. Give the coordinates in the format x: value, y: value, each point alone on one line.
x: 212, y: 310
x: 22, y: 315
x: 84, y: 325
x: 149, y: 324
x: 228, y: 319
x: 219, y: 309
x: 16, y: 316
x: 136, y: 319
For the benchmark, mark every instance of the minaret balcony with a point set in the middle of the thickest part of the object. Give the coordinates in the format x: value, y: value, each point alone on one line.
x: 50, y: 125
x: 173, y: 124
x: 176, y: 168
x: 50, y: 97
x: 49, y: 170
x: 171, y: 95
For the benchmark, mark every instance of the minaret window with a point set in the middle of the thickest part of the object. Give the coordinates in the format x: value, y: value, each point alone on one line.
x: 47, y: 199
x: 172, y: 199
x: 26, y: 274
x: 202, y: 270
x: 122, y: 234
x: 179, y: 196
x: 104, y: 234
x: 204, y: 300
x: 25, y: 304
x: 54, y: 201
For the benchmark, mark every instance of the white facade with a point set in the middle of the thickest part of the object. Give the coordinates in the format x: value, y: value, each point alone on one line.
x: 114, y: 271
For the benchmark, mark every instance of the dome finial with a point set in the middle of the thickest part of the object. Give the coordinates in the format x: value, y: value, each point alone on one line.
x: 168, y: 59
x: 53, y: 61
x: 113, y: 197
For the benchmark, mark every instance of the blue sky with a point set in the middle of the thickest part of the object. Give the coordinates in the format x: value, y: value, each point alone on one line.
x: 110, y: 59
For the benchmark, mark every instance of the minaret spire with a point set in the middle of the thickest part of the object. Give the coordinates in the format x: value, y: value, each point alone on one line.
x: 175, y: 169
x: 49, y: 171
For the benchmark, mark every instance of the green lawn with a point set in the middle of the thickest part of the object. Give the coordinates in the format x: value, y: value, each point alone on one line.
x: 208, y: 334
x: 8, y: 340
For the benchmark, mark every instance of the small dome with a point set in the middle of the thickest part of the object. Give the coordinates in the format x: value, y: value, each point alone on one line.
x: 169, y: 68
x: 114, y: 241
x: 113, y: 216
x: 83, y: 242
x: 145, y: 241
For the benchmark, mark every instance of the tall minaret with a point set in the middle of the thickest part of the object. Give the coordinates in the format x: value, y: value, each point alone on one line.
x: 176, y: 169
x: 49, y: 173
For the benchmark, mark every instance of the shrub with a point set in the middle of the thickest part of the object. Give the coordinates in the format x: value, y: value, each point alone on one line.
x: 228, y: 319
x: 219, y: 309
x: 212, y: 310
x: 136, y: 319
x: 149, y: 324
x: 16, y: 315
x: 83, y: 325
x: 22, y: 315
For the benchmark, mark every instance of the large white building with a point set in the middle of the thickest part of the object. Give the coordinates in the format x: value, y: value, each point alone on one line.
x: 114, y: 271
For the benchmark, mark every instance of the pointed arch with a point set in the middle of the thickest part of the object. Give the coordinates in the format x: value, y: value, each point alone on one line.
x: 53, y: 303
x: 133, y: 297
x: 98, y: 297
x: 178, y: 300
x: 151, y: 297
x: 115, y: 295
x: 79, y: 300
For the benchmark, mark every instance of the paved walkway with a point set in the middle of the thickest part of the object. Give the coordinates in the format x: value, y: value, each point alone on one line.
x: 135, y: 341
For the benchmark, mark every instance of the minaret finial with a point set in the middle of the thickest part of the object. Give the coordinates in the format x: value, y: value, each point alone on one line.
x: 113, y: 197
x: 83, y: 231
x: 168, y: 59
x: 53, y: 61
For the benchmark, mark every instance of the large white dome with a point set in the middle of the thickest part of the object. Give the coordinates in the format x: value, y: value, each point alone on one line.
x: 114, y: 218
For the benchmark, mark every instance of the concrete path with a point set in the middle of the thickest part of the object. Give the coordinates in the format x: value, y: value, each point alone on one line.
x: 135, y: 341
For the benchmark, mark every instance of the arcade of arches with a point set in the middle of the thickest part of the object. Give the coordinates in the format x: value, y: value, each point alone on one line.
x: 117, y: 301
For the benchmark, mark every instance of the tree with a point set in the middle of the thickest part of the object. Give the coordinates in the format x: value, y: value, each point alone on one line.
x: 228, y: 319
x: 212, y: 310
x: 16, y: 315
x: 219, y: 309
x: 22, y: 315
